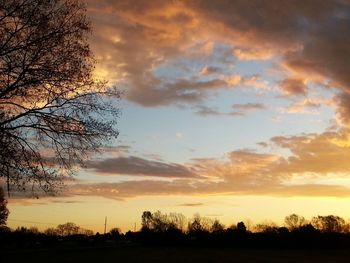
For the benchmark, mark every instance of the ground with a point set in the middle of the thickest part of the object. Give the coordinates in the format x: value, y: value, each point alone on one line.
x: 160, y: 254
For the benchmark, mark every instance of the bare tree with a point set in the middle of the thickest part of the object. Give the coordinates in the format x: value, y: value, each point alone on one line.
x: 147, y: 221
x: 217, y: 227
x: 294, y: 221
x: 53, y: 112
x: 199, y: 224
x: 177, y: 220
x: 67, y: 229
x: 328, y: 223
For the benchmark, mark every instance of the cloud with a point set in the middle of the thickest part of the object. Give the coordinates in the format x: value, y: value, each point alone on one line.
x: 342, y: 102
x: 208, y: 70
x: 211, y: 111
x: 238, y: 110
x: 253, y: 53
x: 133, y: 38
x: 179, y: 135
x: 255, y: 82
x: 155, y: 92
x: 191, y: 204
x: 320, y: 154
x: 140, y: 167
x: 307, y: 106
x: 293, y: 86
x: 263, y: 144
x: 309, y: 44
x: 246, y: 172
x: 249, y: 107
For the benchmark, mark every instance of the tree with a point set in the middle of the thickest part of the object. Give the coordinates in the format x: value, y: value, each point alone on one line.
x: 294, y: 221
x: 67, y: 229
x: 4, y: 212
x: 53, y: 112
x: 177, y: 221
x: 199, y: 224
x: 51, y: 231
x: 241, y: 228
x: 85, y: 232
x: 328, y: 223
x: 217, y: 227
x: 147, y: 221
x: 160, y: 222
x: 115, y: 232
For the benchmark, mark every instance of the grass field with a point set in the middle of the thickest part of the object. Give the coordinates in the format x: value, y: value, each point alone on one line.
x: 159, y: 254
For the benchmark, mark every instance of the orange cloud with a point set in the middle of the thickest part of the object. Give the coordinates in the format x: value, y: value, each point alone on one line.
x: 307, y: 106
x: 140, y: 167
x: 294, y: 86
x: 312, y: 157
x: 208, y: 70
x: 132, y: 38
x: 310, y: 43
x: 253, y: 53
x: 342, y: 102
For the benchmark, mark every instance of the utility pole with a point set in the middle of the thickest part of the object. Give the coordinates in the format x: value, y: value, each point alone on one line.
x: 105, y: 224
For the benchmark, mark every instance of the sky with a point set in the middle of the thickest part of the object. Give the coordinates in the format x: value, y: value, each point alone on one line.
x: 237, y: 110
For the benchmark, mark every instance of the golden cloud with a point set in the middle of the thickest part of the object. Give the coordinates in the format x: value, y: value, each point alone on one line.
x: 132, y: 38
x: 243, y: 172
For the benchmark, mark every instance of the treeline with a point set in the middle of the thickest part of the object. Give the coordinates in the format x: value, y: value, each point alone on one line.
x: 159, y: 222
x: 175, y: 229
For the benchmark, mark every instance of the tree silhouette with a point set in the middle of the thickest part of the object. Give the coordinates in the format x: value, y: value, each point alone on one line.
x: 199, y: 224
x: 67, y: 229
x: 294, y: 221
x: 328, y: 223
x: 4, y: 212
x: 147, y: 221
x: 115, y: 232
x: 217, y: 227
x: 241, y: 227
x: 53, y: 112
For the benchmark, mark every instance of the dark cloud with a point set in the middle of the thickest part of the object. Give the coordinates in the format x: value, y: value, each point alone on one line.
x: 132, y: 38
x: 210, y: 111
x: 191, y: 204
x: 293, y: 86
x: 244, y: 172
x: 263, y: 144
x: 238, y: 110
x: 208, y: 70
x: 342, y: 101
x: 249, y: 107
x: 155, y: 92
x: 140, y: 167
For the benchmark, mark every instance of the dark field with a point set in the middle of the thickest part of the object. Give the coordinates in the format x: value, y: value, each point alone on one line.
x: 161, y: 254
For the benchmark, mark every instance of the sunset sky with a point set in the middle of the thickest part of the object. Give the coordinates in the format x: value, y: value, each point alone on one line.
x: 232, y: 109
